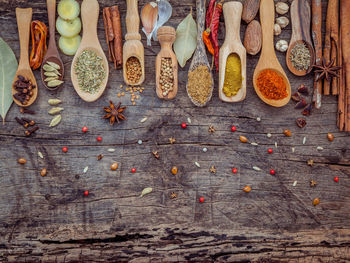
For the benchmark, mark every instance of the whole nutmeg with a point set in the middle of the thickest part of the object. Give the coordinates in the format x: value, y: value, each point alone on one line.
x: 282, y: 45
x: 277, y: 29
x: 282, y: 21
x: 250, y: 9
x: 282, y: 8
x: 252, y: 38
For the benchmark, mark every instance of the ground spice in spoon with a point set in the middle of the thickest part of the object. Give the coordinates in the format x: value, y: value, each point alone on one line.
x: 199, y: 84
x: 271, y: 85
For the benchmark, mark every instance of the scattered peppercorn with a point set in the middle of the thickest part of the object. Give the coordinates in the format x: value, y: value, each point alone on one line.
x: 243, y: 139
x: 316, y: 201
x: 201, y: 199
x: 247, y: 189
x: 21, y: 161
x: 234, y: 170
x: 85, y: 129
x: 99, y: 139
x: 133, y: 170
x: 64, y: 149
x: 330, y: 137
x: 174, y: 170
x: 272, y: 172
x: 233, y: 128
x: 336, y: 179
x: 114, y: 166
x: 184, y: 125
x: 86, y: 193
x: 43, y: 172
x: 287, y: 132
x: 270, y: 150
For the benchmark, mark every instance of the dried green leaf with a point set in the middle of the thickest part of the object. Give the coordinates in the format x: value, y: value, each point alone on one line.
x: 146, y: 191
x: 54, y: 102
x: 55, y: 110
x: 8, y: 68
x: 186, y: 39
x: 55, y: 121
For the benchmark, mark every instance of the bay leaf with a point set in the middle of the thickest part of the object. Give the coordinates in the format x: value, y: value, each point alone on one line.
x: 186, y: 39
x: 55, y: 121
x: 8, y: 68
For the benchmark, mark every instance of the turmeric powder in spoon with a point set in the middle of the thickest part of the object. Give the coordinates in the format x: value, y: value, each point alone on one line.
x: 233, y: 75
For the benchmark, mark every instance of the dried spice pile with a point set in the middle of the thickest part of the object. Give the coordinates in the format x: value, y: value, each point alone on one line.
x: 199, y: 84
x: 90, y: 71
x: 272, y: 85
x: 300, y: 56
x: 166, y: 81
x: 133, y: 70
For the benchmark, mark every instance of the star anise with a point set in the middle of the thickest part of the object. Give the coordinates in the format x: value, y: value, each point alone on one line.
x: 212, y: 169
x: 313, y: 183
x: 114, y: 113
x: 326, y: 70
x: 173, y: 195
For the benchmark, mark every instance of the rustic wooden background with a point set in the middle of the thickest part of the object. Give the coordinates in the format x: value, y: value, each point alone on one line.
x: 47, y: 219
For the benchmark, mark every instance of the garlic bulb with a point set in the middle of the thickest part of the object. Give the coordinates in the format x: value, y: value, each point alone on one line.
x: 282, y: 8
x: 277, y: 29
x: 282, y: 21
x: 282, y: 45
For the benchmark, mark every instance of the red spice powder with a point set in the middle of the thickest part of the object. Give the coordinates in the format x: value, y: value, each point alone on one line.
x: 271, y: 85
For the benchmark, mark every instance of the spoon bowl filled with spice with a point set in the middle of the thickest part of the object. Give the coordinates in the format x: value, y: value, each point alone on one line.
x: 300, y: 55
x: 270, y: 81
x: 89, y: 70
x: 233, y: 57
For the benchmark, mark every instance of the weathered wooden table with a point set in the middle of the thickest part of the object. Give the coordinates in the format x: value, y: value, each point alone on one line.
x: 48, y: 219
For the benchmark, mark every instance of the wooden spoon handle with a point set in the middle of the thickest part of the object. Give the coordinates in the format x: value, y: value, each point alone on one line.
x: 89, y: 15
x: 200, y: 9
x: 51, y: 11
x: 24, y: 17
x: 232, y: 14
x: 132, y: 21
x: 267, y: 17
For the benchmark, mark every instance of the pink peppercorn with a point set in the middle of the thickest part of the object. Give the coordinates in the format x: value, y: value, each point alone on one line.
x: 85, y: 129
x: 201, y: 199
x: 272, y: 172
x: 184, y: 125
x: 234, y: 170
x: 64, y: 149
x: 233, y: 128
x: 99, y: 139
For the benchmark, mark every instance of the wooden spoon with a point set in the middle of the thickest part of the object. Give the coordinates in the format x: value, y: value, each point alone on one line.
x: 166, y: 36
x: 24, y: 18
x: 268, y: 59
x: 133, y: 46
x: 232, y: 45
x: 52, y: 54
x: 89, y: 14
x: 301, y: 19
x: 200, y: 56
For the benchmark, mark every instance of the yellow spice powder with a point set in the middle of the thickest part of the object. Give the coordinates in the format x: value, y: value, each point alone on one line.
x: 233, y: 75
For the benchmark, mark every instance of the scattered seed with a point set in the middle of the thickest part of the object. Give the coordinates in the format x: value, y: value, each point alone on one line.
x: 301, y: 122
x: 40, y: 155
x: 114, y: 166
x: 247, y: 189
x: 330, y: 137
x: 99, y: 157
x: 86, y: 169
x: 205, y: 149
x: 21, y: 161
x: 254, y: 143
x: 55, y: 110
x: 287, y: 132
x: 269, y: 135
x: 295, y: 183
x: 293, y: 149
x: 256, y: 168
x: 316, y: 201
x: 258, y: 119
x: 197, y: 164
x: 174, y: 170
x: 189, y: 120
x: 156, y: 154
x: 55, y: 121
x: 319, y: 148
x: 243, y: 139
x: 111, y: 150
x: 304, y: 140
x: 54, y: 102
x: 43, y: 172
x: 143, y: 120
x: 275, y: 144
x: 139, y: 142
x: 146, y: 191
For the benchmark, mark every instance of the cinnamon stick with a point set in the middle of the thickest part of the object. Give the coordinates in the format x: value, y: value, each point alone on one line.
x: 335, y: 43
x: 118, y: 42
x: 108, y: 31
x: 341, y: 110
x: 345, y: 25
x: 317, y: 39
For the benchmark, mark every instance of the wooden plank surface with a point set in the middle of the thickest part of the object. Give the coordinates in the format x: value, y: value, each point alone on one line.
x: 48, y: 219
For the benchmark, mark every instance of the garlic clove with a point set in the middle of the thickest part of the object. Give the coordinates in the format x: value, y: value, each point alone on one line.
x: 149, y: 16
x: 277, y: 29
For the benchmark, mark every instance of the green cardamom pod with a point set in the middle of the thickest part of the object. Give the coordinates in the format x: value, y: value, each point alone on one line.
x: 50, y: 74
x: 54, y: 83
x: 146, y: 191
x: 54, y: 65
x: 55, y: 110
x: 50, y: 78
x: 47, y: 67
x: 54, y: 102
x: 55, y: 121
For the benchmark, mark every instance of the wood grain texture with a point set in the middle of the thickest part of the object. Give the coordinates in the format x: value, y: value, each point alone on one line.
x: 48, y: 219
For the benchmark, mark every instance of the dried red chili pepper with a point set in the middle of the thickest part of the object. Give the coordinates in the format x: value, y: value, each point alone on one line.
x: 207, y: 41
x: 38, y: 33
